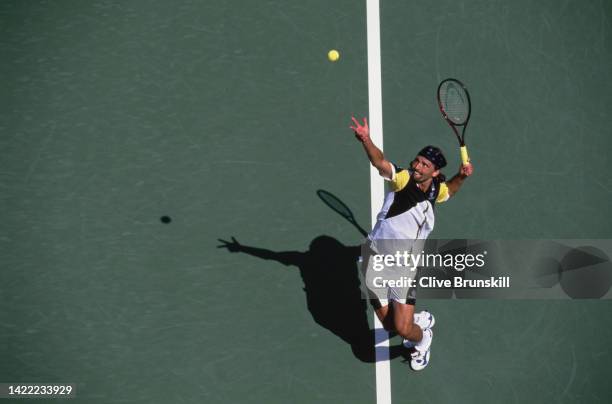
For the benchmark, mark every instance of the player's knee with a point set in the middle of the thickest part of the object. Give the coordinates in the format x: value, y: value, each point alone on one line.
x: 404, y: 327
x: 405, y: 331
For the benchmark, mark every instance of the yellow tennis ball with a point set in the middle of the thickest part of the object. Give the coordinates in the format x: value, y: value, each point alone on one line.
x: 333, y: 55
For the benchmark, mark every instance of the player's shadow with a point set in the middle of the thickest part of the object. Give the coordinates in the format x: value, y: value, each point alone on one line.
x: 330, y: 273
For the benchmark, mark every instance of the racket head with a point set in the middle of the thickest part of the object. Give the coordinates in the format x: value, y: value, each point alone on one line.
x: 454, y: 102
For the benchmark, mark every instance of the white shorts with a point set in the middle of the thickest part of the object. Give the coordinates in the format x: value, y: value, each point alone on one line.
x: 385, y: 284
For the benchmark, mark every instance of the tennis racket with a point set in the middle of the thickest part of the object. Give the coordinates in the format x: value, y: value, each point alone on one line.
x: 455, y: 106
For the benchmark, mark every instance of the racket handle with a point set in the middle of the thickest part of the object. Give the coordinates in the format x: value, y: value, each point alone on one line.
x: 465, y: 159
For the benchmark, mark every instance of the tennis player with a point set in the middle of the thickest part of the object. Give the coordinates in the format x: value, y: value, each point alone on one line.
x: 407, y: 214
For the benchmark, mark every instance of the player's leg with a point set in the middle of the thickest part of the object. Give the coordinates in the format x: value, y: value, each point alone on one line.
x: 374, y: 295
x: 403, y: 321
x: 384, y: 315
x: 415, y: 328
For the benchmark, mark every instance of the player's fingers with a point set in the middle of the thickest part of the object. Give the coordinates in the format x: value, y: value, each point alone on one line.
x: 355, y: 121
x: 365, y: 121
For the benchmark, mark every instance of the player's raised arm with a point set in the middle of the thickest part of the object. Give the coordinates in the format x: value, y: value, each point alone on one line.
x: 362, y: 133
x: 457, y: 181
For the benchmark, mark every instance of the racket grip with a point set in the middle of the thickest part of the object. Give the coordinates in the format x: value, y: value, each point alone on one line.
x: 465, y: 159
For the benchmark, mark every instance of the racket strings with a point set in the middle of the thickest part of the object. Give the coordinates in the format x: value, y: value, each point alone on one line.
x: 455, y: 103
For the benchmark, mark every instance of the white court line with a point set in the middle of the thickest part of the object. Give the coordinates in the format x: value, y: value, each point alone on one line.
x: 377, y: 186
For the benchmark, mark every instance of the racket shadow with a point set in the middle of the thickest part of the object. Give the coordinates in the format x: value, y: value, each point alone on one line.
x: 335, y: 204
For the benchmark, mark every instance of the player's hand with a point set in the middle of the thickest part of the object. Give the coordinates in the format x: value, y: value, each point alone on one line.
x: 466, y: 170
x: 232, y: 246
x: 362, y: 132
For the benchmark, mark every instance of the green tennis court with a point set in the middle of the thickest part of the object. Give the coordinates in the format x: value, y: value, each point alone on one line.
x: 227, y: 117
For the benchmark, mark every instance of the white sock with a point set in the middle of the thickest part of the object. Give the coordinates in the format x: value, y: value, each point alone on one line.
x: 416, y: 318
x: 425, y: 342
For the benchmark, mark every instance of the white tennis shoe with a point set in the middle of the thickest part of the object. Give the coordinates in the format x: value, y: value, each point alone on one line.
x: 422, y: 351
x: 424, y: 319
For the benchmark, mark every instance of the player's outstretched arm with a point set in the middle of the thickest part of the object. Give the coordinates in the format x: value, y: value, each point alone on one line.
x: 457, y: 181
x: 284, y: 257
x: 362, y: 133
